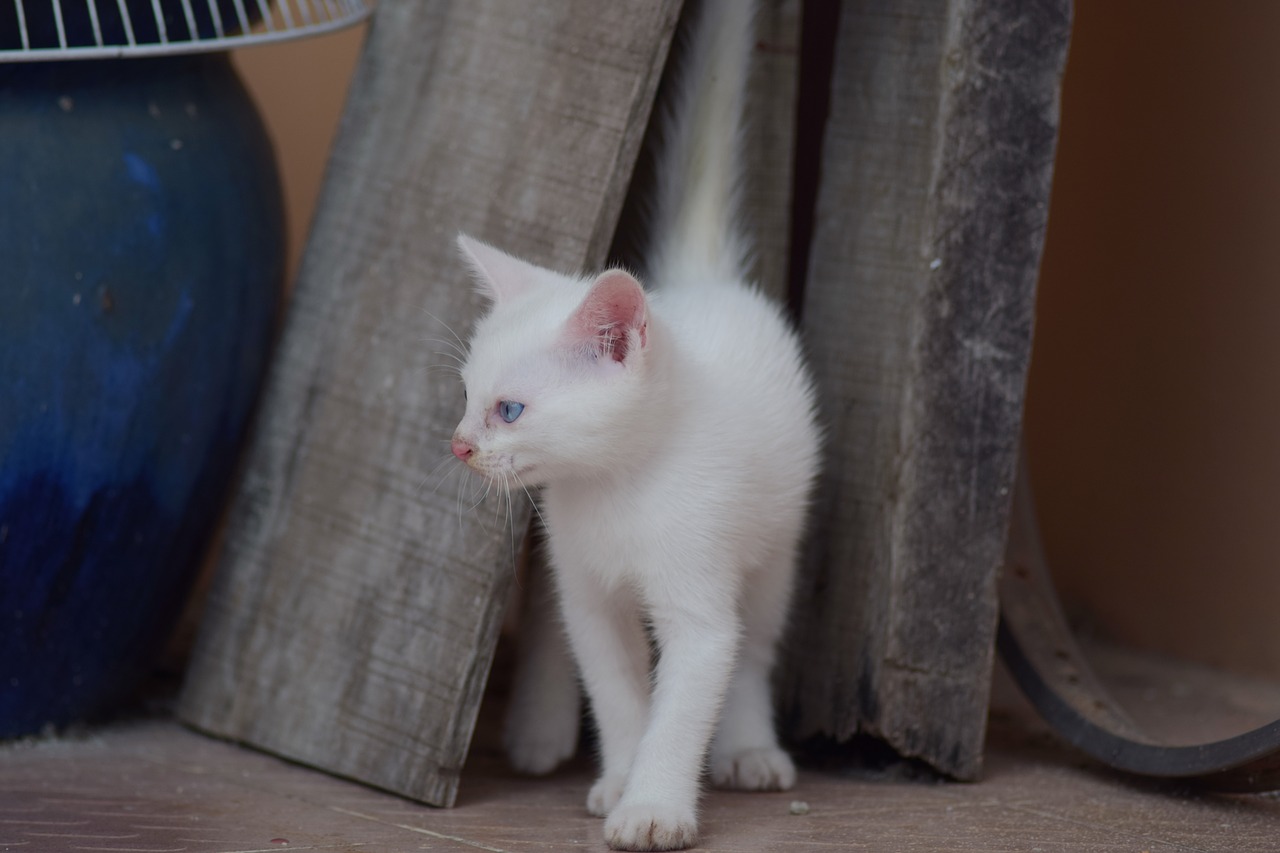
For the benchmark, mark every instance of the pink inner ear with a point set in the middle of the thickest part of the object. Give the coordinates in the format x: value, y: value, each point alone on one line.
x: 613, y: 310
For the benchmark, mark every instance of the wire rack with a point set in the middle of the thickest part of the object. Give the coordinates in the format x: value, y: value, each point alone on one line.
x: 34, y: 30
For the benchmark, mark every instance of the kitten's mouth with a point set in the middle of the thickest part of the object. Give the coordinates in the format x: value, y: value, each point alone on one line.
x: 501, y: 470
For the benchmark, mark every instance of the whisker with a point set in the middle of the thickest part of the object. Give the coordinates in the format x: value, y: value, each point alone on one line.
x: 462, y: 485
x: 455, y: 352
x: 496, y: 505
x: 458, y: 500
x: 488, y: 487
x: 534, y: 502
x: 511, y: 525
x: 435, y: 471
x: 450, y: 369
x: 462, y: 345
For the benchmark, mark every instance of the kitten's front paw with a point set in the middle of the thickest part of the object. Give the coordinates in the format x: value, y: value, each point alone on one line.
x: 604, y: 795
x: 650, y: 826
x: 761, y: 769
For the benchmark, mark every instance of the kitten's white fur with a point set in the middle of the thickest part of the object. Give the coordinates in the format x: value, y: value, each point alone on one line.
x: 674, y: 435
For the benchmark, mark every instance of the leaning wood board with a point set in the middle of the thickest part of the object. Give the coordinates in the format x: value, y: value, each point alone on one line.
x: 355, y: 610
x: 936, y: 170
x: 768, y: 149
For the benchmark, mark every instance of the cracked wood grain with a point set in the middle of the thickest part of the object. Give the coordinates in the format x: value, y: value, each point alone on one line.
x: 936, y: 168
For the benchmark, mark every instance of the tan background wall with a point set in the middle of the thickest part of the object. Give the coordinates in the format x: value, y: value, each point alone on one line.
x: 1154, y: 403
x: 300, y: 88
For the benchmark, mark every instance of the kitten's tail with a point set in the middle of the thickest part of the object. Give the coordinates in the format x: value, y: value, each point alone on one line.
x: 699, y: 170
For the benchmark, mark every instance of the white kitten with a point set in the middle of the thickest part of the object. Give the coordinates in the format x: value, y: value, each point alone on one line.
x: 674, y: 436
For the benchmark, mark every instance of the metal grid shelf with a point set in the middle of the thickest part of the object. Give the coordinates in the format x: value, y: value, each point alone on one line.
x: 42, y: 30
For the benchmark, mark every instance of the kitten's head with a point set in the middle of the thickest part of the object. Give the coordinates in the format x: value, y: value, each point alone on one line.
x: 555, y: 371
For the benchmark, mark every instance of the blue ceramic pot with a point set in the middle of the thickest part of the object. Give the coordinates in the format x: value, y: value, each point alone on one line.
x: 141, y: 237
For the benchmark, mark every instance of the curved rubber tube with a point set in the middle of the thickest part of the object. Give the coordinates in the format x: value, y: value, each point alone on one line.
x: 1036, y: 645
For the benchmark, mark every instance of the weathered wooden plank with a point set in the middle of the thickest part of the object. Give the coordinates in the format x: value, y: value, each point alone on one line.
x: 356, y: 606
x: 768, y: 150
x: 936, y: 171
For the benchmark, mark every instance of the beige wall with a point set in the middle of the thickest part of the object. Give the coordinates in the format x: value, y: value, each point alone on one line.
x: 1154, y: 401
x: 300, y: 88
x: 1154, y: 404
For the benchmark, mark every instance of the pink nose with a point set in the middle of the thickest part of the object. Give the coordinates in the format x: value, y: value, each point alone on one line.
x: 462, y: 449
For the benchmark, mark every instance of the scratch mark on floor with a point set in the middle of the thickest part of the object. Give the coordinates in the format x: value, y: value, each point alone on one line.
x: 441, y: 835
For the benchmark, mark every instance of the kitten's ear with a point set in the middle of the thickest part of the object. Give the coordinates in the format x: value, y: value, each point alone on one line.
x: 498, y: 276
x: 613, y: 319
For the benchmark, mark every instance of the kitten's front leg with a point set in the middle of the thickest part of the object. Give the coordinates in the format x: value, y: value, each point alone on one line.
x: 612, y: 650
x: 541, y: 727
x: 658, y: 810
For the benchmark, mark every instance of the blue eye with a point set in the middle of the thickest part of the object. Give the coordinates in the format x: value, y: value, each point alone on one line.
x: 510, y: 409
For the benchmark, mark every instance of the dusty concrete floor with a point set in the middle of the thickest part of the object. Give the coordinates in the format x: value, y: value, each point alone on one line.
x: 152, y: 785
